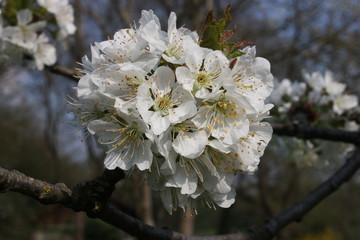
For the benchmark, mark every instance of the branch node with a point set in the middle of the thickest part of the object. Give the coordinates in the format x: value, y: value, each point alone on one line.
x: 91, y: 196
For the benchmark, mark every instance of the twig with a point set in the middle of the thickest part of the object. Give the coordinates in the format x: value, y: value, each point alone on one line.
x: 64, y: 71
x: 92, y: 197
x: 299, y: 210
x: 61, y: 194
x: 308, y: 132
x: 80, y: 197
x: 44, y: 192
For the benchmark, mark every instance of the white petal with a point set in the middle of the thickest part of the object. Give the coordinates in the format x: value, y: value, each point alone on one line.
x: 185, y: 78
x: 164, y: 79
x: 24, y: 17
x: 113, y: 160
x: 224, y: 185
x: 195, y: 57
x: 172, y: 59
x: 214, y: 61
x: 262, y: 68
x: 125, y: 158
x: 158, y: 123
x: 172, y: 26
x: 127, y: 107
x: 103, y: 130
x: 247, y: 156
x: 147, y: 16
x: 85, y: 86
x: 164, y: 145
x: 236, y: 132
x: 143, y: 156
x: 261, y: 134
x: 144, y: 101
x: 182, y: 112
x: 37, y: 26
x: 220, y: 146
x: 190, y: 145
x: 151, y: 32
x: 225, y: 200
x: 345, y: 102
x: 166, y: 198
x: 202, y: 93
x: 335, y: 88
x: 169, y: 165
x: 187, y: 181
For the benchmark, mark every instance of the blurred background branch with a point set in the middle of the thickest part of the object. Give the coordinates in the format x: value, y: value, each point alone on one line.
x: 37, y: 136
x: 309, y: 132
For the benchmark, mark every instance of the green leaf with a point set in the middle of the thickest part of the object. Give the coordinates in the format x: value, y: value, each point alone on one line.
x: 211, y: 38
x: 235, y: 54
x: 213, y: 30
x: 228, y: 17
x: 215, y: 35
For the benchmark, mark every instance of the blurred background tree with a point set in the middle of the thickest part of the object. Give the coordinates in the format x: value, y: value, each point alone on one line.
x: 38, y: 139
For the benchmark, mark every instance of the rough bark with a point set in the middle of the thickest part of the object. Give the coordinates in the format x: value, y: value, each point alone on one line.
x: 92, y: 198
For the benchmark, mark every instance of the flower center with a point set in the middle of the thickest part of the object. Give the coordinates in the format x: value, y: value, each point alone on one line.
x: 130, y: 135
x: 225, y: 106
x: 202, y: 80
x: 183, y: 126
x: 174, y: 50
x: 162, y: 105
x: 130, y: 86
x: 134, y: 81
x: 223, y: 111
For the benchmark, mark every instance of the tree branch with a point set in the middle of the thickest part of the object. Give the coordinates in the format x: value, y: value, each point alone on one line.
x: 299, y: 210
x: 64, y: 71
x: 80, y: 197
x: 309, y: 132
x: 92, y: 197
x: 44, y: 192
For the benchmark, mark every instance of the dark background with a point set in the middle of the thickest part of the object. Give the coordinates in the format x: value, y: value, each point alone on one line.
x: 37, y: 136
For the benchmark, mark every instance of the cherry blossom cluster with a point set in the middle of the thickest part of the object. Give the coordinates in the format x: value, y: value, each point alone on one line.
x: 31, y: 38
x: 320, y: 100
x: 186, y: 117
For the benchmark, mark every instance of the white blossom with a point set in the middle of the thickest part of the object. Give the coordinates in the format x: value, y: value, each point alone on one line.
x: 186, y: 117
x: 334, y: 92
x: 224, y: 116
x: 126, y: 141
x: 286, y: 92
x: 205, y: 72
x: 251, y: 77
x: 171, y: 44
x: 344, y: 102
x: 24, y: 34
x: 161, y: 101
x: 44, y: 53
x: 190, y: 144
x: 64, y: 14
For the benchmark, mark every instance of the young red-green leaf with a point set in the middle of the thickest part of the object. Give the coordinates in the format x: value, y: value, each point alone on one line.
x: 213, y: 30
x: 215, y: 36
x: 226, y: 35
x: 235, y: 54
x: 243, y: 44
